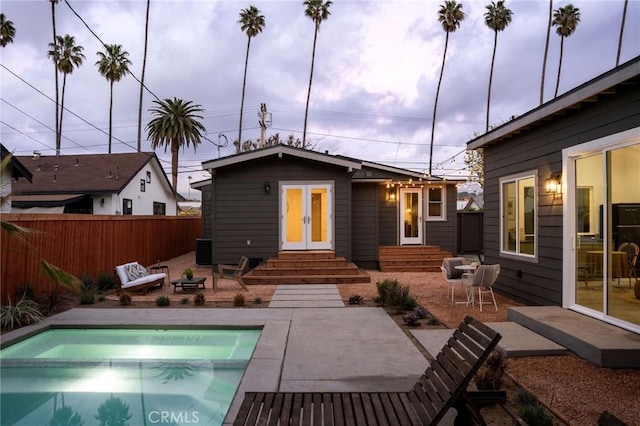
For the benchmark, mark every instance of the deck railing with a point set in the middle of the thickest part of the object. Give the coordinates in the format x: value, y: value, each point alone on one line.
x: 88, y: 244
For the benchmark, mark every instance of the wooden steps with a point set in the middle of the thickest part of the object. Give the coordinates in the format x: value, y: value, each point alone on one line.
x: 411, y: 258
x: 306, y: 267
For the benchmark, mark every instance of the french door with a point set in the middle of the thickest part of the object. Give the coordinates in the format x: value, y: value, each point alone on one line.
x: 306, y: 215
x: 410, y: 216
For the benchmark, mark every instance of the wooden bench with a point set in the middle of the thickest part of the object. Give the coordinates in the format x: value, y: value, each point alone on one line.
x: 232, y: 272
x: 442, y: 386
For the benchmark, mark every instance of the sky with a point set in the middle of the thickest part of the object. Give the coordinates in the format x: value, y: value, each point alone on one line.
x: 376, y: 72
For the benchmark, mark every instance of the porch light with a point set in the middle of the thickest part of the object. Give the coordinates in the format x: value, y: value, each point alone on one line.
x: 267, y: 187
x: 391, y: 193
x: 553, y: 185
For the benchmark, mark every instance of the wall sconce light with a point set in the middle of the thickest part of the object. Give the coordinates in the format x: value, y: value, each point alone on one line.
x: 553, y: 184
x: 101, y: 201
x: 391, y: 193
x: 267, y: 187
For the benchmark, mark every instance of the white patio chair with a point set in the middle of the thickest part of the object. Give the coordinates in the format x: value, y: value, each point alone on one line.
x: 453, y: 276
x: 481, y: 281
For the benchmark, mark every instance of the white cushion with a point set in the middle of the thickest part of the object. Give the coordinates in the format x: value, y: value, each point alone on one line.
x: 121, y: 270
x: 144, y: 280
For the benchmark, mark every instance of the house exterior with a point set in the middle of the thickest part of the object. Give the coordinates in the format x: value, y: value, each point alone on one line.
x: 13, y: 171
x: 562, y: 193
x: 280, y: 198
x: 109, y: 184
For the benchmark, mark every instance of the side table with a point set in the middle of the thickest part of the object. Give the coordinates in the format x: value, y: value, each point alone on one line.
x: 156, y: 269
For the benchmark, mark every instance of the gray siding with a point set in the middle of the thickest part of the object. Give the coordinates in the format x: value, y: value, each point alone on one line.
x: 364, y: 223
x: 444, y: 233
x: 540, y: 149
x: 242, y: 211
x: 388, y: 219
x: 207, y: 207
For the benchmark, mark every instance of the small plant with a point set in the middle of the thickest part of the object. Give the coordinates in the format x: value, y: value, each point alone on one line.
x: 87, y: 297
x: 355, y: 299
x: 22, y: 313
x: 87, y: 281
x: 257, y: 300
x: 163, y: 301
x: 525, y: 398
x: 199, y: 299
x: 125, y: 298
x: 26, y: 291
x: 238, y: 300
x: 188, y: 273
x: 55, y: 300
x: 433, y: 321
x: 489, y: 376
x: 411, y: 319
x: 107, y: 281
x: 101, y: 298
x: 535, y: 415
x: 421, y: 311
x: 184, y: 300
x: 387, y: 289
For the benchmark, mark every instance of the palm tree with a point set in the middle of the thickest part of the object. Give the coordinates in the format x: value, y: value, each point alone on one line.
x: 7, y: 30
x: 497, y: 17
x: 55, y: 72
x: 144, y: 67
x: 67, y: 56
x: 624, y: 18
x: 566, y: 20
x: 450, y: 16
x: 113, y: 65
x: 546, y: 51
x: 176, y: 125
x: 318, y: 11
x: 251, y: 23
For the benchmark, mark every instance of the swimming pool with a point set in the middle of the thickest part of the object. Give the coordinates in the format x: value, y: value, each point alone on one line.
x: 137, y: 376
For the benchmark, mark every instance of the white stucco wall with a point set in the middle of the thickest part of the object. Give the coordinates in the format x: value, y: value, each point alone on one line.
x: 155, y: 191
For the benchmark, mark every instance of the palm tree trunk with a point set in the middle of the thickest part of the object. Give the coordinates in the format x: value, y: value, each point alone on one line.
x: 624, y: 18
x: 144, y: 67
x: 435, y: 105
x: 175, y: 147
x: 546, y: 52
x: 244, y: 82
x: 555, y: 95
x: 493, y: 58
x: 110, y: 113
x: 55, y: 68
x: 306, y: 110
x: 64, y: 86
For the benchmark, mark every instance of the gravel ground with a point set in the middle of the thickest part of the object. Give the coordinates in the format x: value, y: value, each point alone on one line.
x: 576, y: 390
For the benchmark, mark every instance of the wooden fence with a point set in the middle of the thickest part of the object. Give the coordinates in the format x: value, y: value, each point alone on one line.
x: 89, y: 244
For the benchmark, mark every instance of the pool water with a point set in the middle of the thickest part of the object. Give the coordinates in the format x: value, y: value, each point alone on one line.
x: 123, y: 376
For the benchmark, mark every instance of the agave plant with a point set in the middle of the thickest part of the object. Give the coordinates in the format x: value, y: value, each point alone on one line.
x: 411, y: 319
x: 355, y: 299
x: 22, y: 313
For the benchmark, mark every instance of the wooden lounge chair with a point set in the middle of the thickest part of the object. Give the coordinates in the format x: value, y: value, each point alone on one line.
x: 232, y: 272
x: 442, y: 386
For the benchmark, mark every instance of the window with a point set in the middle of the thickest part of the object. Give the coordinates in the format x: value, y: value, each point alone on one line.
x: 127, y: 206
x: 142, y: 185
x: 584, y: 215
x: 518, y: 208
x: 435, y: 203
x: 148, y: 177
x: 159, y: 209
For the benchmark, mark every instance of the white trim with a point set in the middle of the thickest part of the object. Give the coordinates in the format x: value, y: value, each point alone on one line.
x: 404, y: 239
x: 516, y: 178
x: 306, y: 229
x: 443, y: 203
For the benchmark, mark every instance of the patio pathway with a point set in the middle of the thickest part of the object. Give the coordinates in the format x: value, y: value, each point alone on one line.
x: 306, y: 296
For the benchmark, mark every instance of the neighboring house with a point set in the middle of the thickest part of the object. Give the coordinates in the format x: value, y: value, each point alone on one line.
x: 562, y: 192
x: 110, y: 184
x: 282, y: 198
x: 470, y: 203
x: 12, y: 172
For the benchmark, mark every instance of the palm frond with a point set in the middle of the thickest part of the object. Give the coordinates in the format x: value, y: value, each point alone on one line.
x: 60, y: 276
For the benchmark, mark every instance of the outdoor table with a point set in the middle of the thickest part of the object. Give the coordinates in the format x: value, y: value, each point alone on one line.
x: 188, y: 284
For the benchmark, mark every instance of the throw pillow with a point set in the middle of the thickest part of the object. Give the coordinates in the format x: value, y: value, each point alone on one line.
x: 142, y: 272
x: 132, y: 271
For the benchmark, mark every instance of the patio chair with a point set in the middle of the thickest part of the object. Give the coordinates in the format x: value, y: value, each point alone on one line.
x: 232, y: 272
x: 451, y: 275
x: 482, y: 281
x: 632, y: 250
x: 442, y: 386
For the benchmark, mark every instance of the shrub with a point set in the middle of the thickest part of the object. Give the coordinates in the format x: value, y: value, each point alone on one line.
x: 87, y: 297
x: 535, y: 415
x: 257, y: 300
x: 22, y: 313
x: 26, y: 291
x: 107, y: 281
x: 87, y: 281
x: 199, y: 299
x: 433, y: 321
x: 405, y: 302
x: 391, y: 293
x: 55, y: 300
x: 355, y: 299
x: 125, y: 298
x: 421, y: 311
x: 238, y: 300
x: 489, y: 376
x: 184, y: 300
x: 163, y: 301
x: 101, y: 298
x: 411, y: 319
x: 386, y: 289
x: 524, y: 397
